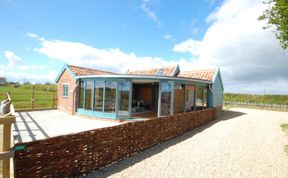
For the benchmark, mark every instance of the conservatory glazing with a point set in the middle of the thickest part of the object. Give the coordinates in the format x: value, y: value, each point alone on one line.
x: 134, y: 96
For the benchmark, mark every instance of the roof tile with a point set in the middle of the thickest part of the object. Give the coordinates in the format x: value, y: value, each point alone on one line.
x: 79, y: 71
x: 164, y: 71
x: 199, y: 74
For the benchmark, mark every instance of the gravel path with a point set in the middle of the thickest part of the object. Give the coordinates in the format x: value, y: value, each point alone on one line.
x: 241, y: 143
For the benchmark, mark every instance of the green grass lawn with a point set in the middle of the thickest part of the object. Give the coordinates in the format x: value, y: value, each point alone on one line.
x: 21, y: 96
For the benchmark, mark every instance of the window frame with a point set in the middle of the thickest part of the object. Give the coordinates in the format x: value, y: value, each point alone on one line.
x: 65, y: 94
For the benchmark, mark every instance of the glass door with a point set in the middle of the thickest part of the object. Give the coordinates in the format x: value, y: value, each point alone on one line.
x: 110, y: 96
x: 166, y: 96
x: 124, y: 88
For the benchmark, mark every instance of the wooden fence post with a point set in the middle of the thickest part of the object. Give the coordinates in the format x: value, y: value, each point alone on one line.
x: 7, y: 152
x: 6, y: 147
x: 33, y: 100
x: 53, y: 98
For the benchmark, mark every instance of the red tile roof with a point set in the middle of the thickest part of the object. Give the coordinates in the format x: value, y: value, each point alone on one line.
x: 164, y: 71
x: 199, y: 74
x: 78, y: 71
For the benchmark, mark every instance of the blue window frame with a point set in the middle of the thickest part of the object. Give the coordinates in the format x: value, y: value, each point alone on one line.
x: 65, y: 90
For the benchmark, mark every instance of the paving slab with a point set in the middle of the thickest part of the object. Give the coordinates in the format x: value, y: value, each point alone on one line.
x: 36, y: 125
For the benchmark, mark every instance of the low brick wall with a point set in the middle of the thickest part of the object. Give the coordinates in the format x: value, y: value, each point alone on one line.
x: 78, y: 154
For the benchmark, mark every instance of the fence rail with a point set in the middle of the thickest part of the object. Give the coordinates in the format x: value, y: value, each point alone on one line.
x: 33, y: 100
x: 263, y: 105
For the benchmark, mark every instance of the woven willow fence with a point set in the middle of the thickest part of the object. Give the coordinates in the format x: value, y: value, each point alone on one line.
x: 81, y: 153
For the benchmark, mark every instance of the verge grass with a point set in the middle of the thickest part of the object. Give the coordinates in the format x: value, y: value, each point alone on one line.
x: 285, y: 129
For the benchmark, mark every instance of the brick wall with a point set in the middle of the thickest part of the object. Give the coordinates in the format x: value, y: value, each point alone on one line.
x: 219, y: 109
x: 78, y: 154
x: 66, y: 104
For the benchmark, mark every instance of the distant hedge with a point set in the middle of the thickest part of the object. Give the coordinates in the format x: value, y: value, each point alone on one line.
x: 266, y: 99
x: 39, y: 87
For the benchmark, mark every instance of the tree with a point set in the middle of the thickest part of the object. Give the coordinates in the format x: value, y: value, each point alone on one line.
x: 277, y: 16
x: 3, y: 80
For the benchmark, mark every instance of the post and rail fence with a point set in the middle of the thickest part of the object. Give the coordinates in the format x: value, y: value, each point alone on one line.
x: 34, y: 100
x: 260, y: 105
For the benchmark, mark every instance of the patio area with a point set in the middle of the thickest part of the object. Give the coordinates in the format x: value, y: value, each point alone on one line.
x: 36, y: 125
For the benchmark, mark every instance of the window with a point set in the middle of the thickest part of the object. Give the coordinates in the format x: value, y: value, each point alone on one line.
x: 98, y: 101
x: 179, y: 97
x: 199, y: 97
x: 65, y: 90
x: 81, y: 95
x: 165, y: 98
x: 110, y: 96
x: 89, y: 94
x: 124, y: 90
x: 205, y: 96
x: 189, y: 97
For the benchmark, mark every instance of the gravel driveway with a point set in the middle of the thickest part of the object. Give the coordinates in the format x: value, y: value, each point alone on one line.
x: 241, y: 143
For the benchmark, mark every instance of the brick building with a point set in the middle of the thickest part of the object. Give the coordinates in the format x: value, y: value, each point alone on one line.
x: 137, y: 94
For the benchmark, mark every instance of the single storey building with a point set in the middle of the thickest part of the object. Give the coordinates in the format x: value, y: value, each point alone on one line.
x: 143, y: 93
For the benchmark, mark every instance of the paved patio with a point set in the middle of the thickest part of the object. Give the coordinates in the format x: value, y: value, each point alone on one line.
x: 36, y: 125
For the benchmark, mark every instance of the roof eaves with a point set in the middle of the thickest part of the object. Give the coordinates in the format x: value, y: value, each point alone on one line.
x: 65, y: 67
x: 215, y: 75
x: 145, y: 77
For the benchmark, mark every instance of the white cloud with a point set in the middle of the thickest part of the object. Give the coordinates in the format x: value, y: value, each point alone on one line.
x: 33, y: 78
x: 150, y: 14
x: 250, y: 58
x: 189, y: 45
x: 34, y: 36
x: 16, y: 62
x: 235, y: 41
x: 169, y: 37
x: 37, y: 67
x: 17, y: 70
x: 106, y: 59
x: 13, y: 60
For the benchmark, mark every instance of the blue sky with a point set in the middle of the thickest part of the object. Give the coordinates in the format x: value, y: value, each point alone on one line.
x: 38, y: 37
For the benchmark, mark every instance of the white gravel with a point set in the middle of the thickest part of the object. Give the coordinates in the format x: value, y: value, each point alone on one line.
x: 241, y: 143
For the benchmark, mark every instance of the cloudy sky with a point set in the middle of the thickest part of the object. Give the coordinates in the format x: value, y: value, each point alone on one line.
x: 39, y: 37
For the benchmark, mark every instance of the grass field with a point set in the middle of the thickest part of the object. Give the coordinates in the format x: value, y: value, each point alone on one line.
x: 22, y: 96
x: 265, y: 99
